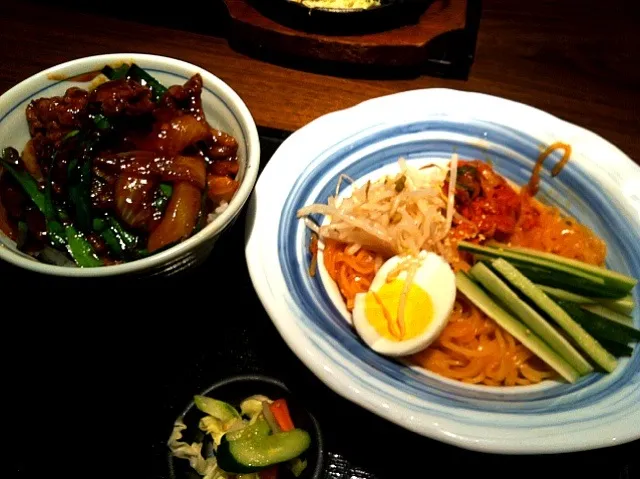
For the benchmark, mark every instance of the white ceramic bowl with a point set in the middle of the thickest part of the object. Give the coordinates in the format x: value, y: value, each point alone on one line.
x: 224, y: 110
x: 599, y: 186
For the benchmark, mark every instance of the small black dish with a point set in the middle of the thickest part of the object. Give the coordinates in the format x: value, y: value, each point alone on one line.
x: 235, y: 389
x: 338, y: 21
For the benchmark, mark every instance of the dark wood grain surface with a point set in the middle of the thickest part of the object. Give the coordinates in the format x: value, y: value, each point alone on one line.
x: 576, y: 59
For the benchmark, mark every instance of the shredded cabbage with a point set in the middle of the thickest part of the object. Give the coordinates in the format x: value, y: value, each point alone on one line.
x: 252, y: 407
x: 192, y: 452
x: 213, y: 426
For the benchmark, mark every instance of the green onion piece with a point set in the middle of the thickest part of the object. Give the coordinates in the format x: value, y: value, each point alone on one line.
x: 70, y: 135
x: 79, y: 177
x: 80, y: 249
x: 166, y: 189
x: 164, y: 193
x: 138, y: 74
x: 110, y: 238
x: 99, y: 225
x: 119, y: 241
x: 130, y: 240
x: 56, y: 234
x: 26, y: 181
x: 101, y: 122
x: 115, y: 244
x: 55, y: 230
x: 116, y: 73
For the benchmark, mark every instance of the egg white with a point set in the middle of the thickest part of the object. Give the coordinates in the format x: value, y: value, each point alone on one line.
x: 436, y: 278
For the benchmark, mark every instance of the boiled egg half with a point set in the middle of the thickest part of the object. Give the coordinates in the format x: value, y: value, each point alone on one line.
x: 427, y: 305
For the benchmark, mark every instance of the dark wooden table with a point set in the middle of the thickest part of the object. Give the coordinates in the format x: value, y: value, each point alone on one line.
x: 576, y: 59
x: 94, y: 375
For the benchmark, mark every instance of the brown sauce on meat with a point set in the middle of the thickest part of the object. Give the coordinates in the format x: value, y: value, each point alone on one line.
x: 116, y: 145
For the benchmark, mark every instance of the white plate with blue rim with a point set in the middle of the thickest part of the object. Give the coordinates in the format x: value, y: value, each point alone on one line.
x: 599, y: 187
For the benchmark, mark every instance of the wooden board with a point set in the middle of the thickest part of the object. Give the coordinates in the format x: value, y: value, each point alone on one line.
x: 441, y: 37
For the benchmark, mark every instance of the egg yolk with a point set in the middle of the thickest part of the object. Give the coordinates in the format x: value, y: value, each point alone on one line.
x: 382, y: 311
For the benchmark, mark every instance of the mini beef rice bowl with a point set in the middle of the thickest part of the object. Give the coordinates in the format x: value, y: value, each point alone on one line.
x: 116, y: 172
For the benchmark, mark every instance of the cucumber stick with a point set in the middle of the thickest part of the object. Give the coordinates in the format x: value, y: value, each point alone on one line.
x: 530, y: 317
x: 628, y: 281
x: 600, y: 327
x: 558, y: 279
x: 612, y: 284
x: 584, y: 340
x: 623, y: 306
x: 558, y: 293
x: 608, y: 314
x: 477, y: 296
x: 251, y: 455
